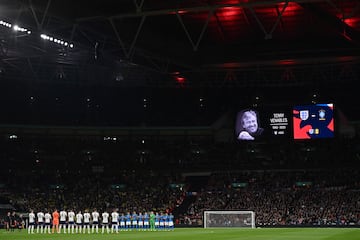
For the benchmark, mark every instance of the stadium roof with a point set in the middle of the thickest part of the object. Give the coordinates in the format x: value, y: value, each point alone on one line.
x: 140, y: 40
x: 296, y: 48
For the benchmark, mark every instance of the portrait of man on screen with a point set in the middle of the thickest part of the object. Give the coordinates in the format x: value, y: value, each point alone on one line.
x: 248, y: 125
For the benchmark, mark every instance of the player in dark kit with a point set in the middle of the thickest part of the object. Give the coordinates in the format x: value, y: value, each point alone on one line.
x: 13, y: 222
x: 7, y: 221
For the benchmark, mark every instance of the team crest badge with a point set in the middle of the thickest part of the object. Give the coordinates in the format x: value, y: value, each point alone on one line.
x: 322, y: 114
x: 304, y: 115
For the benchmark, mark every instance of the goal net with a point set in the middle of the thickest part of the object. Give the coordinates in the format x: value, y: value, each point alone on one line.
x: 228, y: 219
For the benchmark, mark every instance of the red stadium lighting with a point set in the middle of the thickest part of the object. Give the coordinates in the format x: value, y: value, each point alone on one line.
x: 180, y: 80
x: 181, y: 12
x: 287, y: 62
x: 292, y: 9
x: 351, y: 22
x: 229, y: 13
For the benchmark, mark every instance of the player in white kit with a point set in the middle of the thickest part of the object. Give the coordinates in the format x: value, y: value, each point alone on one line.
x: 40, y: 222
x: 63, y: 215
x: 87, y: 218
x: 79, y: 218
x: 105, y: 222
x: 95, y: 223
x: 115, y: 221
x: 47, y: 221
x: 31, y: 222
x: 71, y: 221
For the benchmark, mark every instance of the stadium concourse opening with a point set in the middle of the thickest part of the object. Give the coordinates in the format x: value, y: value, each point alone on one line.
x: 144, y: 116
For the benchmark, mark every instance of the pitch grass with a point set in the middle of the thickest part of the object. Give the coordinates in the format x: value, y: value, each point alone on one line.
x: 202, y: 234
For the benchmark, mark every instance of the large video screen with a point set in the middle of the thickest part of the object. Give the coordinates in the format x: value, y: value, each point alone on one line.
x: 264, y: 123
x: 313, y: 121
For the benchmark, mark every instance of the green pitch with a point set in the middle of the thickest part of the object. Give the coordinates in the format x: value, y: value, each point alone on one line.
x: 202, y: 234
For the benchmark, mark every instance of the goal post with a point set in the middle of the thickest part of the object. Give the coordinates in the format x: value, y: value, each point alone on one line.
x: 229, y: 219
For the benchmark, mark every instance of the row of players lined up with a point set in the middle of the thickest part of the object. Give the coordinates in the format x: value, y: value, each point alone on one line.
x: 69, y: 222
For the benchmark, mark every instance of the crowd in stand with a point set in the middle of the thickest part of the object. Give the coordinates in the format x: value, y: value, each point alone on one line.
x: 128, y: 192
x: 285, y: 198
